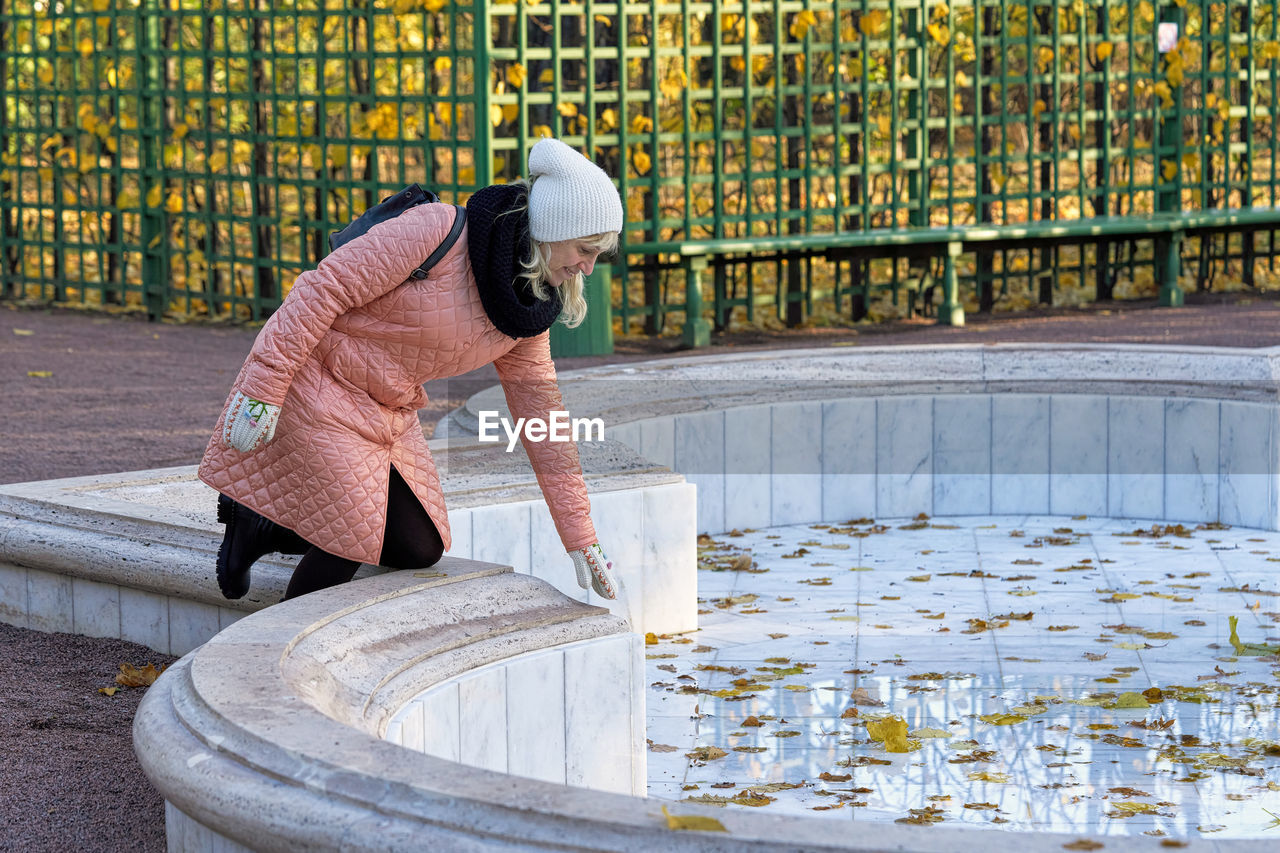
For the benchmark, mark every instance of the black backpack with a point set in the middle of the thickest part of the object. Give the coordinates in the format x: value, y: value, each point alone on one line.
x: 391, y: 207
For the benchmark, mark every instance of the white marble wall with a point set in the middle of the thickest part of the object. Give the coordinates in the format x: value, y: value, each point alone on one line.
x: 44, y: 601
x: 1248, y: 459
x: 572, y: 714
x: 647, y: 534
x: 1179, y: 459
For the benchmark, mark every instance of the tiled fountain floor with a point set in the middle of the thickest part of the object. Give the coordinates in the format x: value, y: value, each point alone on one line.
x: 1050, y: 621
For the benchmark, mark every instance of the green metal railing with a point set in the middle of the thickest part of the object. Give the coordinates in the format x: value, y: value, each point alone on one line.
x: 190, y: 157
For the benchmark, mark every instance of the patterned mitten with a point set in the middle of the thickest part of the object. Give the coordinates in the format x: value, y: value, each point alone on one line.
x: 595, y: 570
x: 249, y: 423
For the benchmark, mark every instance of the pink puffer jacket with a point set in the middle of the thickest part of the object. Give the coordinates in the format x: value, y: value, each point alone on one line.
x: 345, y: 357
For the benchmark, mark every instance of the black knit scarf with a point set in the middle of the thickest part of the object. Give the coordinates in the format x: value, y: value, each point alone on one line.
x: 496, y: 244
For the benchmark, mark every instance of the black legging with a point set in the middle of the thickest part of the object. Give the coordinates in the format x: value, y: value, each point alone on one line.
x: 410, y: 541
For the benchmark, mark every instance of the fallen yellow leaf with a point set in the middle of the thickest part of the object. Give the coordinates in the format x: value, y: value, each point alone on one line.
x: 1248, y: 649
x: 892, y: 732
x: 706, y: 753
x: 695, y: 822
x: 931, y: 733
x: 1132, y: 700
x: 1127, y: 809
x: 40, y: 374
x: 131, y: 676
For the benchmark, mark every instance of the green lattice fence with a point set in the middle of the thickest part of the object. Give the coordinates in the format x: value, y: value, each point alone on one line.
x: 190, y: 157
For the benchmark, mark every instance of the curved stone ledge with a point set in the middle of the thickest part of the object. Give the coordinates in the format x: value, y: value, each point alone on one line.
x: 823, y: 435
x: 627, y: 393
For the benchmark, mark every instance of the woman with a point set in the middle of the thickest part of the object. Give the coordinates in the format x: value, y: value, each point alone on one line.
x: 319, y: 451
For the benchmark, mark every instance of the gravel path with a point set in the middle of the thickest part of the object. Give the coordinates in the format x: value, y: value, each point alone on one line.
x: 70, y: 780
x: 87, y: 394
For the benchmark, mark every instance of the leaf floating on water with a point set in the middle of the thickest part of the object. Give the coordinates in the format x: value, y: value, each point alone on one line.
x: 1018, y: 617
x: 752, y: 798
x: 982, y: 806
x: 989, y: 776
x: 661, y: 747
x: 931, y: 733
x: 773, y: 787
x: 920, y: 817
x: 692, y: 822
x: 977, y: 626
x: 1157, y: 724
x: 863, y: 761
x: 706, y: 753
x: 1248, y: 649
x: 892, y: 732
x: 1083, y: 844
x: 1132, y: 700
x: 1129, y: 809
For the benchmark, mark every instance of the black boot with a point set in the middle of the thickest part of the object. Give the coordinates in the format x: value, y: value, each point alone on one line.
x: 247, y: 539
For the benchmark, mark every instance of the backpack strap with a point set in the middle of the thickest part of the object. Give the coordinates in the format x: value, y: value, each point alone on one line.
x: 459, y: 220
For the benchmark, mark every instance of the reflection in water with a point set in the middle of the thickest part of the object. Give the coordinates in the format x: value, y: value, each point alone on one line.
x: 1070, y: 675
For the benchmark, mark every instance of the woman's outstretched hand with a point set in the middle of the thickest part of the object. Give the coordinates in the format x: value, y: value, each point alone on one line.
x: 249, y: 423
x: 595, y: 570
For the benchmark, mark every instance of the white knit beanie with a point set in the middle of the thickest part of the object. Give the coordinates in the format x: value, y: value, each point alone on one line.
x: 572, y: 196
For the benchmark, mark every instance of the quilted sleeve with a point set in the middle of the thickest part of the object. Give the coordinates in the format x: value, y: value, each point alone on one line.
x: 353, y: 275
x: 529, y: 382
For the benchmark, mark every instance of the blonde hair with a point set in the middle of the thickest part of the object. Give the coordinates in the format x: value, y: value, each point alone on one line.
x: 537, y: 269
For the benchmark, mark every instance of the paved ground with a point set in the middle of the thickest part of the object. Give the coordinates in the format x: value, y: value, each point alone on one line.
x: 88, y: 394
